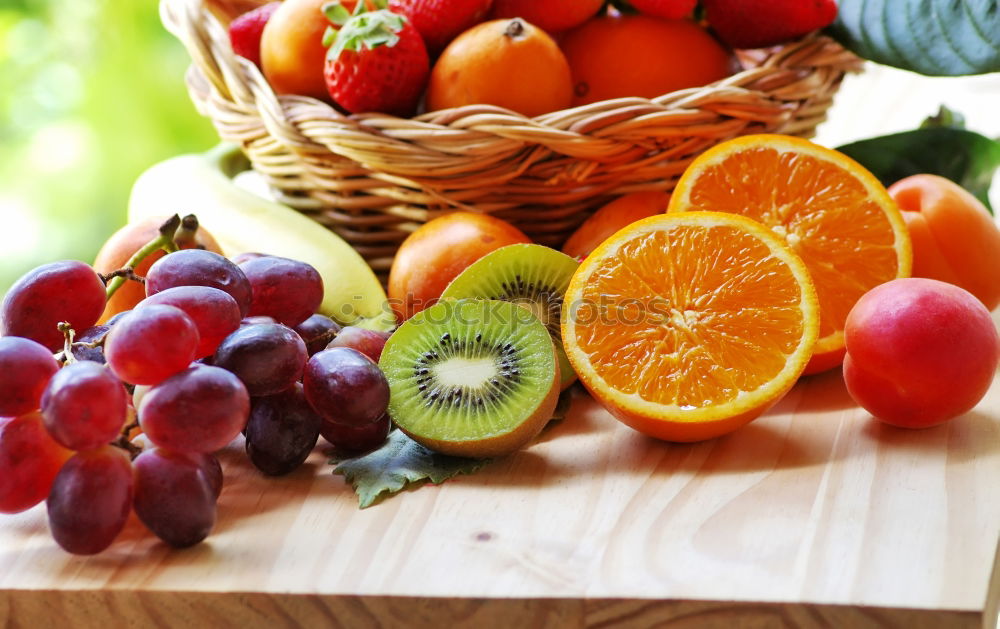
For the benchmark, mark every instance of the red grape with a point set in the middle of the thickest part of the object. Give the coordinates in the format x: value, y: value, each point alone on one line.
x: 267, y: 357
x: 214, y: 312
x: 90, y: 500
x: 174, y: 497
x: 317, y: 331
x: 29, y: 461
x: 287, y: 290
x: 346, y: 387
x: 200, y: 409
x: 34, y: 306
x: 84, y: 406
x: 368, y: 342
x: 213, y: 471
x: 282, y: 431
x: 199, y: 267
x: 26, y: 366
x: 151, y: 344
x: 354, y: 440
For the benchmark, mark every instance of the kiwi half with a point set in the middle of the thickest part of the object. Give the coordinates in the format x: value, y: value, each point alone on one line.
x: 533, y: 277
x: 472, y: 377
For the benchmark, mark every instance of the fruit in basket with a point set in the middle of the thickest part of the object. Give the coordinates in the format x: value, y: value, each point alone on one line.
x: 440, y: 21
x: 832, y: 212
x: 377, y: 61
x: 955, y: 239
x: 919, y: 352
x: 687, y: 326
x: 552, y: 16
x: 613, y: 216
x: 433, y: 255
x: 245, y: 31
x: 508, y: 63
x: 129, y: 239
x: 532, y: 276
x: 473, y: 377
x: 42, y: 298
x: 761, y: 23
x: 668, y: 9
x: 243, y: 222
x: 664, y: 56
x: 292, y: 53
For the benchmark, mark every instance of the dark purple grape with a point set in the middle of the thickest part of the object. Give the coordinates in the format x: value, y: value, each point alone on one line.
x: 213, y: 471
x: 282, y: 431
x: 240, y: 258
x: 214, y: 312
x: 267, y: 357
x: 345, y: 386
x: 317, y: 331
x: 90, y: 500
x: 26, y: 367
x: 34, y: 306
x: 151, y: 344
x: 116, y: 318
x: 84, y: 406
x: 355, y: 440
x: 93, y: 334
x: 368, y: 342
x: 199, y: 267
x: 287, y: 290
x: 174, y: 497
x: 200, y: 409
x: 29, y: 461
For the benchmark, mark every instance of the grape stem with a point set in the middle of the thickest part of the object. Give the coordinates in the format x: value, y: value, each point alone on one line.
x: 126, y: 445
x: 172, y: 233
x: 66, y: 355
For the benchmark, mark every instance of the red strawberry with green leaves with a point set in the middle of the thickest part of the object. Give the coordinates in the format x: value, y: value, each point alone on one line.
x: 668, y: 9
x: 761, y: 23
x: 440, y: 21
x: 377, y: 61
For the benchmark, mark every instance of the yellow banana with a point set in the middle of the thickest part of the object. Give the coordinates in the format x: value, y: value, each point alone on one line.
x: 241, y: 221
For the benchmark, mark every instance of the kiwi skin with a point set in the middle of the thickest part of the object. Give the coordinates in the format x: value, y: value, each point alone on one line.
x: 504, y: 444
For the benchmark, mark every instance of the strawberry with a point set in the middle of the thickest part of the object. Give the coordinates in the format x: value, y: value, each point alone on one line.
x: 377, y: 61
x: 440, y: 21
x: 669, y: 9
x: 246, y: 29
x: 761, y: 23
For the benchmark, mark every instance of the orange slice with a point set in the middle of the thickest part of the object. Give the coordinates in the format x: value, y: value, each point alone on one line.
x: 687, y: 326
x: 833, y: 213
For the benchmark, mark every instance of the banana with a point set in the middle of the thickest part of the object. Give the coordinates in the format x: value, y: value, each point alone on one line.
x: 201, y: 184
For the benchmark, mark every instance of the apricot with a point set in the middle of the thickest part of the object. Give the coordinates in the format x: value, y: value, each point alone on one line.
x: 617, y: 214
x: 919, y: 352
x: 954, y: 238
x: 123, y: 244
x: 432, y: 256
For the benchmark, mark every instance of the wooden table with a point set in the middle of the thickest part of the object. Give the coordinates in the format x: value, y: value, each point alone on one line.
x: 812, y: 516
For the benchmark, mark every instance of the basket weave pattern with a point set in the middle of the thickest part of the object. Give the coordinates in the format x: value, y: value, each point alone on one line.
x: 374, y: 178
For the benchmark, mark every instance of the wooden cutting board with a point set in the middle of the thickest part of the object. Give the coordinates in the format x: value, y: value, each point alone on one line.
x: 812, y: 516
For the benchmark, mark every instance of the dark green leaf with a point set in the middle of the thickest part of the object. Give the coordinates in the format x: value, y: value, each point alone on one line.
x: 399, y: 462
x: 967, y: 158
x: 932, y: 37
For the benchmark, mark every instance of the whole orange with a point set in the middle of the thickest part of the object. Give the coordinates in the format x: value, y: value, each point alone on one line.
x: 508, y: 63
x: 617, y: 214
x: 292, y: 54
x: 639, y: 55
x: 123, y: 244
x: 551, y: 16
x: 432, y: 256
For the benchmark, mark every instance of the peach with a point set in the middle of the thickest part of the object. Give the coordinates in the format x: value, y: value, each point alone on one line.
x: 919, y: 352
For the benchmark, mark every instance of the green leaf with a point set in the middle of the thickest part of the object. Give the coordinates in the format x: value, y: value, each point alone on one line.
x: 398, y: 463
x: 932, y: 37
x: 966, y: 157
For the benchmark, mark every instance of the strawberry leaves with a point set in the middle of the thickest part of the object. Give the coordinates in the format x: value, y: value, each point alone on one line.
x: 931, y: 37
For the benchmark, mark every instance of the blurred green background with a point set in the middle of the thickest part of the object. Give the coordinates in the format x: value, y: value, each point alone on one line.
x: 91, y: 93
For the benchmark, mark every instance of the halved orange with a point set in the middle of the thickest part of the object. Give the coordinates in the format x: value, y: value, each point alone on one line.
x: 686, y: 326
x: 832, y: 212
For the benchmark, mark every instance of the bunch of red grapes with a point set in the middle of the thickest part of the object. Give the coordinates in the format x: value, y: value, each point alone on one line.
x: 217, y: 348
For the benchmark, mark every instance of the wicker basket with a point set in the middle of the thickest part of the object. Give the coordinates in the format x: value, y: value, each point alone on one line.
x: 374, y: 178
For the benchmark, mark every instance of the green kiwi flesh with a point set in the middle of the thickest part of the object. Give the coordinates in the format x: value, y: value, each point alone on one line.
x: 471, y: 377
x: 532, y: 276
